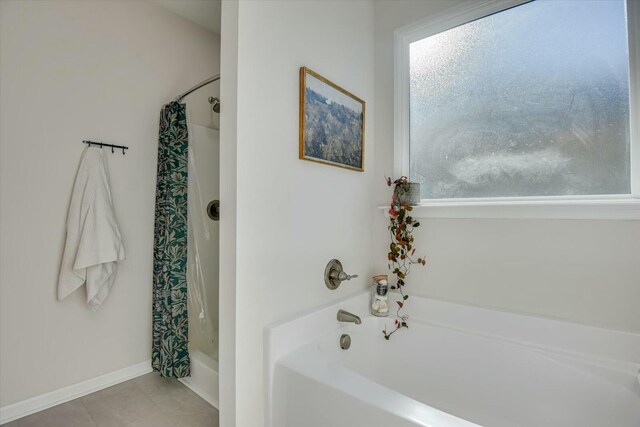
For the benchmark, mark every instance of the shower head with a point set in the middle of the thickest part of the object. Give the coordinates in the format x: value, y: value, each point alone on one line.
x: 215, y: 104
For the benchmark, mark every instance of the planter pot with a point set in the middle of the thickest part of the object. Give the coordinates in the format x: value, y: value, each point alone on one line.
x: 408, y: 193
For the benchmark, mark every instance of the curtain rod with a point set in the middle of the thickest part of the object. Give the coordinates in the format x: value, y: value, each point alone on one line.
x: 198, y: 86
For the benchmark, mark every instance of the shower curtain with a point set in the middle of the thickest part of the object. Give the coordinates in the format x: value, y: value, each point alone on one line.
x: 170, y: 354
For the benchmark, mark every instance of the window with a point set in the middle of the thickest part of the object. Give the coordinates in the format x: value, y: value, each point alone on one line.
x: 535, y: 101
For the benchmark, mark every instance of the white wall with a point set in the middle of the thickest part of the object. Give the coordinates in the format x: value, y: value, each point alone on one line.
x: 293, y: 216
x: 228, y: 210
x: 70, y: 71
x: 583, y: 271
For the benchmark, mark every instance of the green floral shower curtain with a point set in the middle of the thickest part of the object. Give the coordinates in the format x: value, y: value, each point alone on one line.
x: 170, y: 355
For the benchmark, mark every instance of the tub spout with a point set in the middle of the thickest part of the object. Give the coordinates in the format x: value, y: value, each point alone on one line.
x: 345, y: 316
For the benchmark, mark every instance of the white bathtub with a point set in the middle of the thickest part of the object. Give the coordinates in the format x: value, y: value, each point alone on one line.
x: 456, y: 366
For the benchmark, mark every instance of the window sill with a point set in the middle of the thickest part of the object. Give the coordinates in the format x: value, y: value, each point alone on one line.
x: 609, y: 209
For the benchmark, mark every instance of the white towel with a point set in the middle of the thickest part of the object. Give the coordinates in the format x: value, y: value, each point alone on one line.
x: 94, y: 244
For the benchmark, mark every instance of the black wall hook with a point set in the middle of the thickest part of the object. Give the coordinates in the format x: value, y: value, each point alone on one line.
x: 102, y: 144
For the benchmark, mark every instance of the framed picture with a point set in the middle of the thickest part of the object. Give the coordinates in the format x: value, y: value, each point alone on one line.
x: 331, y: 123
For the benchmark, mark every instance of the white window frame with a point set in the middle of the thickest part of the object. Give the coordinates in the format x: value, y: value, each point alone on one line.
x: 624, y: 207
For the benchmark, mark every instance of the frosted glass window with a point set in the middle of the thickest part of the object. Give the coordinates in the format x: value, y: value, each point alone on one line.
x: 531, y: 101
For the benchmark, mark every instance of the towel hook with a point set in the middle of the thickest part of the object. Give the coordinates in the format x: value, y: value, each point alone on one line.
x: 102, y: 145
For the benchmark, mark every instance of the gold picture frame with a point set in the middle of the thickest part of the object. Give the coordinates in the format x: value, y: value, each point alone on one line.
x: 331, y: 123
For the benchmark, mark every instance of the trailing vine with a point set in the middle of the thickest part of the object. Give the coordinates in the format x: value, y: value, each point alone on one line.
x: 401, y: 251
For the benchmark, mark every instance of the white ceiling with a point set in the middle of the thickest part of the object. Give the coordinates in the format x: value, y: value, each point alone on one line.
x: 205, y: 13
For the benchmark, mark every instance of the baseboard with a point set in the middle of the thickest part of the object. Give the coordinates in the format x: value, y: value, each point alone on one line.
x: 206, y: 396
x: 204, y: 378
x: 47, y: 400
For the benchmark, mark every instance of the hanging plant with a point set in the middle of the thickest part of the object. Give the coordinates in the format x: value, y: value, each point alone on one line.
x: 401, y: 254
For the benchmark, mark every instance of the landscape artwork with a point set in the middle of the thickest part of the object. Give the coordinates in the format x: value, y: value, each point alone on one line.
x: 331, y: 123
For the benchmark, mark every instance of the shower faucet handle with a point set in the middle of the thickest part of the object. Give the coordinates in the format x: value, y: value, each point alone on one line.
x: 334, y: 274
x: 342, y: 276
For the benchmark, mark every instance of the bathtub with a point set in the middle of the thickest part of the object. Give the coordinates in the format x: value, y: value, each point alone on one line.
x: 456, y: 366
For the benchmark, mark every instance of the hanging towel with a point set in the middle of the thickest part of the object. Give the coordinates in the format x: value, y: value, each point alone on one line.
x: 93, y: 244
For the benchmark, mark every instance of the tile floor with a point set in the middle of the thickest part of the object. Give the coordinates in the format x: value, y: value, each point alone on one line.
x: 146, y: 401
